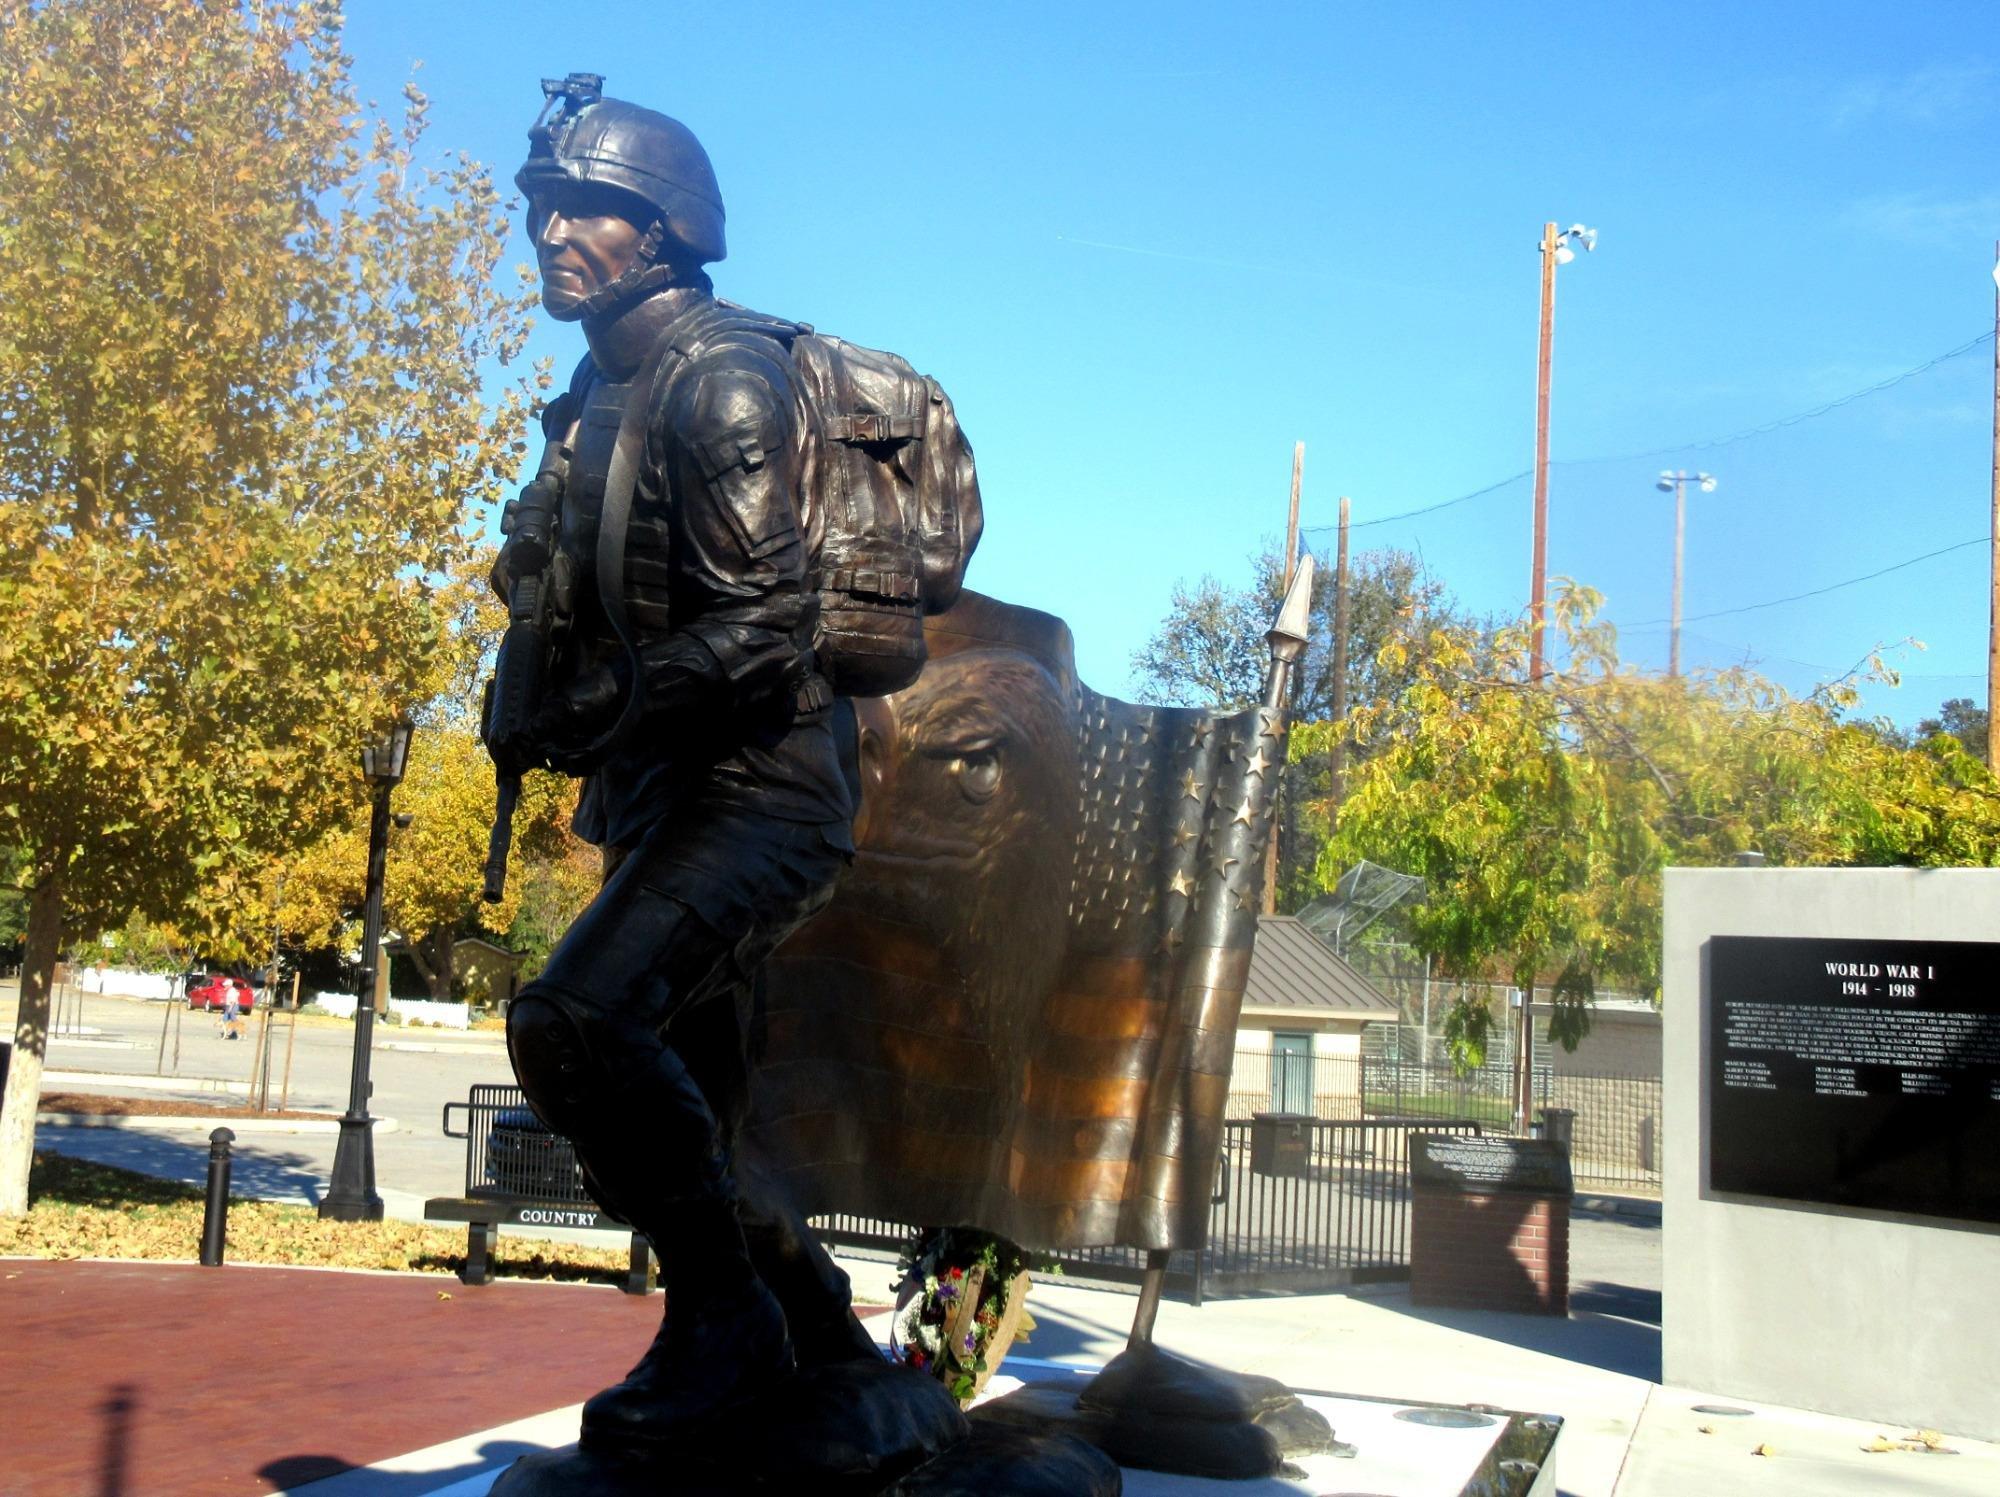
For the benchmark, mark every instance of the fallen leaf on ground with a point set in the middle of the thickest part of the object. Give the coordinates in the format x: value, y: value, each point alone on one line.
x: 83, y: 1210
x: 1762, y: 1450
x: 1704, y: 1429
x: 443, y: 1295
x: 1879, y: 1444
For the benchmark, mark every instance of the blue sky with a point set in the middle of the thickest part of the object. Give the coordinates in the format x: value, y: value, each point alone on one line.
x: 1148, y: 247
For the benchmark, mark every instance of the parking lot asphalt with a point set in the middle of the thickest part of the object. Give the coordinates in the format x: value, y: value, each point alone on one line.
x: 415, y: 1072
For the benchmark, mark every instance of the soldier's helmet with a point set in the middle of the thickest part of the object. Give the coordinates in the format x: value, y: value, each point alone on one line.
x: 582, y: 136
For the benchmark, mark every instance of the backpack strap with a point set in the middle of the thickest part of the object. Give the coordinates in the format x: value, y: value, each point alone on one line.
x: 614, y: 521
x: 621, y: 480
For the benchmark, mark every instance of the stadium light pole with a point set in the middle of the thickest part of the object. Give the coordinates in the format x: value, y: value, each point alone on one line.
x: 350, y: 1195
x: 1676, y: 484
x: 1558, y: 248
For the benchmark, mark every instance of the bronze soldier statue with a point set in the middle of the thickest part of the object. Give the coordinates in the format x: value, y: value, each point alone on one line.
x: 682, y: 679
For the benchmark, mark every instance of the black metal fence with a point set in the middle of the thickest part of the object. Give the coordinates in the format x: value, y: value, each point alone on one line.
x: 1313, y: 1203
x: 1615, y: 1146
x: 1303, y: 1204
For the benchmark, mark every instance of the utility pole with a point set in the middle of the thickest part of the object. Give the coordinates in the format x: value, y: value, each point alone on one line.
x: 1291, y: 567
x: 1676, y: 483
x: 1556, y: 251
x: 1993, y: 615
x: 1340, y: 661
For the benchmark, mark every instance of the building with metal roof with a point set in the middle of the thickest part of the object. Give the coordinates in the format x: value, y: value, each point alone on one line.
x: 1298, y: 1041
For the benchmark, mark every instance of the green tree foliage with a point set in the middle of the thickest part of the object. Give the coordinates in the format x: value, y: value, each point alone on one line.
x: 242, y: 333
x: 1541, y: 814
x: 1210, y: 652
x: 1964, y: 719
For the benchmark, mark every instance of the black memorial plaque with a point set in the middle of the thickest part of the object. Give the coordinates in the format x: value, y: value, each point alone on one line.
x: 1856, y: 1073
x: 1478, y: 1164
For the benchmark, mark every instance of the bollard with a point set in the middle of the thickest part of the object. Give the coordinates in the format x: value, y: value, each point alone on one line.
x: 215, y: 1215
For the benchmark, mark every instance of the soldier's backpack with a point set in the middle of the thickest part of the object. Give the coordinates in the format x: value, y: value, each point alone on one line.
x: 892, y: 506
x: 898, y: 510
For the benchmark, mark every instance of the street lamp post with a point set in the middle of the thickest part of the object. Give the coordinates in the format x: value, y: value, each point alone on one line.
x: 351, y: 1196
x: 1557, y: 249
x: 1676, y: 484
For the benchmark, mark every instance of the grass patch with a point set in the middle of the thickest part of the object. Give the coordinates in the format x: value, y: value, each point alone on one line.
x: 1486, y: 1110
x: 77, y: 1209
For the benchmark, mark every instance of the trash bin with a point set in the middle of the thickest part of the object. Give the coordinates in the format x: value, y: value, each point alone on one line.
x: 1281, y: 1144
x: 1559, y: 1126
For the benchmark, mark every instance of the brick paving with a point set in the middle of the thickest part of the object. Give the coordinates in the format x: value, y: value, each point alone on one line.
x: 121, y: 1379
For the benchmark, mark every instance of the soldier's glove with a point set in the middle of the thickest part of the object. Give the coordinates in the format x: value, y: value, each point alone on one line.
x: 570, y: 723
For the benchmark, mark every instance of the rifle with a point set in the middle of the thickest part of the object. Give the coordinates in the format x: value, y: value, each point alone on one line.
x: 515, y: 689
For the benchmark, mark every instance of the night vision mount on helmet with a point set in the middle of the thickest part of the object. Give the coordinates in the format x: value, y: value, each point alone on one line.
x: 583, y: 138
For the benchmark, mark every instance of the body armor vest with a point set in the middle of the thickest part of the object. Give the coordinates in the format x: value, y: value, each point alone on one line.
x: 891, y: 511
x: 647, y: 539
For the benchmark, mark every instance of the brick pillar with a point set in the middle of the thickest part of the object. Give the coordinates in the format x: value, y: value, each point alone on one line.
x: 1489, y: 1225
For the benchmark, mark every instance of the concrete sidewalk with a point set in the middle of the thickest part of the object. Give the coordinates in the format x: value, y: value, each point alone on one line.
x: 1623, y: 1433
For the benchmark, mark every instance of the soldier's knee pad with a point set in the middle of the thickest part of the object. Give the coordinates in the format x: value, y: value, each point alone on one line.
x: 552, y: 1061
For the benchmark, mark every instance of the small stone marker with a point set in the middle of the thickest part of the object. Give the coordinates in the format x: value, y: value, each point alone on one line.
x: 1489, y: 1223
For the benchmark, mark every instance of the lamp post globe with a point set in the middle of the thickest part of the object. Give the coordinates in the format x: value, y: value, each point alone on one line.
x: 351, y: 1194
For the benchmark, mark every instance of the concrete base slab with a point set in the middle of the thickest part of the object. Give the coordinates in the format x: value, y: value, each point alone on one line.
x: 1389, y: 1453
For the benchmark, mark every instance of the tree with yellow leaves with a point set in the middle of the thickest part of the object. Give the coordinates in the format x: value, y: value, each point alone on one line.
x: 243, y: 333
x: 433, y: 876
x: 1541, y: 813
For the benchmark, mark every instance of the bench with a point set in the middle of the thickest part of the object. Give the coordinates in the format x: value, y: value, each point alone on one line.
x: 519, y: 1174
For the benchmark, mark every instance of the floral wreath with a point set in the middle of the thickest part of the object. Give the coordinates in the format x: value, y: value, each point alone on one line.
x: 957, y: 1287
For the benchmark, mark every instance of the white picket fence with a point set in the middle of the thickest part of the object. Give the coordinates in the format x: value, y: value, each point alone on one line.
x: 407, y: 1010
x: 130, y: 984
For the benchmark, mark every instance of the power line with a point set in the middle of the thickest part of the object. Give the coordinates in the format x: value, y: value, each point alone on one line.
x: 1831, y: 587
x: 1711, y: 443
x: 1428, y: 509
x: 1753, y: 654
x: 1705, y: 445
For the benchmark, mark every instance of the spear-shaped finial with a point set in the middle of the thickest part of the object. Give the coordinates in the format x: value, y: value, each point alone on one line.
x: 1290, y: 633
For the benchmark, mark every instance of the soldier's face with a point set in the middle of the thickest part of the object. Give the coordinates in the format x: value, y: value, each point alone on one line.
x: 583, y: 242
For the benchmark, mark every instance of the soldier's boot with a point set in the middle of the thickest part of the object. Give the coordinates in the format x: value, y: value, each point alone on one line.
x: 722, y: 1341
x: 654, y: 1156
x: 818, y: 1300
